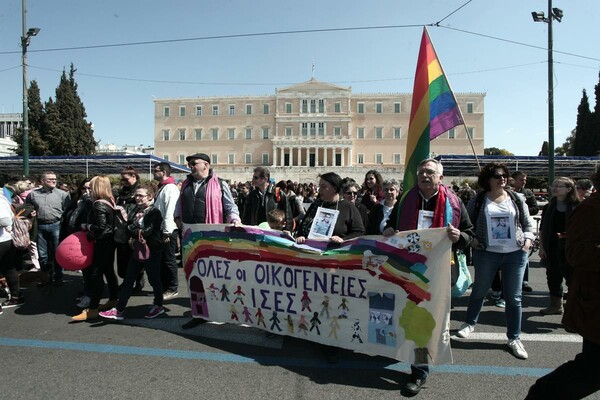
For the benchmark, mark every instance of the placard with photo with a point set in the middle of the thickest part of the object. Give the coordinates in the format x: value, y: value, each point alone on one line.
x: 500, y: 229
x: 323, y: 224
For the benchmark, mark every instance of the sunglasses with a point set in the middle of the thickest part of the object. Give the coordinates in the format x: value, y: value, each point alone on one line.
x: 352, y: 193
x: 499, y: 176
x: 256, y: 177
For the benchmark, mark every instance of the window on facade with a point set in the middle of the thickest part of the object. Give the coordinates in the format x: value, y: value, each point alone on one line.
x: 397, y: 107
x: 360, y: 133
x: 378, y: 158
x: 198, y: 110
x: 165, y: 157
x: 215, y: 110
x: 265, y: 158
x: 166, y: 111
x: 266, y: 108
x: 337, y: 107
x: 265, y: 133
x: 288, y: 108
x: 248, y: 109
x: 397, y: 133
x: 471, y: 132
x: 288, y: 131
x: 214, y: 159
x: 214, y: 133
x: 337, y: 131
x: 378, y: 108
x: 397, y: 159
x: 165, y: 134
x: 230, y: 158
x: 452, y: 134
x: 321, y: 106
x: 305, y: 106
x: 232, y: 109
x: 313, y: 106
x: 313, y: 129
x: 360, y: 158
x: 182, y: 159
x: 182, y: 134
x: 248, y: 158
x: 198, y: 133
x: 379, y: 132
x: 231, y: 133
x: 360, y: 108
x: 469, y: 108
x: 321, y: 128
x: 305, y: 129
x: 248, y: 133
x: 182, y: 111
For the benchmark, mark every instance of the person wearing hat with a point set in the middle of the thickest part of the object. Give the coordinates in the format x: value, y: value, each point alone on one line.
x: 204, y: 199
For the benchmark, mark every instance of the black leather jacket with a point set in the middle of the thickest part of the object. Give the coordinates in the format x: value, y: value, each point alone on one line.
x: 102, y: 222
x: 152, y: 228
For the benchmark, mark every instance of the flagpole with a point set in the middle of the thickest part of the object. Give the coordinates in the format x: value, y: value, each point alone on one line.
x: 455, y: 100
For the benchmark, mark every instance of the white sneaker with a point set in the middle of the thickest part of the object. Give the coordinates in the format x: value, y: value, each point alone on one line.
x: 84, y: 302
x: 465, y: 330
x: 517, y: 349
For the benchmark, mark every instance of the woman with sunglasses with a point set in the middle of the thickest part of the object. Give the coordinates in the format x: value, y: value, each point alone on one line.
x: 350, y: 191
x: 553, y: 240
x: 491, y: 253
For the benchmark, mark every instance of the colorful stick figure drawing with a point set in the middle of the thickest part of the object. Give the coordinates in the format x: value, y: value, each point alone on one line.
x: 234, y: 312
x: 213, y: 291
x: 260, y: 319
x: 325, y: 306
x: 305, y: 301
x: 238, y: 295
x: 343, y: 309
x: 275, y: 322
x: 290, y: 324
x: 303, y: 325
x: 224, y: 293
x: 247, y: 315
x: 315, y: 322
x: 334, y: 327
x: 357, y: 331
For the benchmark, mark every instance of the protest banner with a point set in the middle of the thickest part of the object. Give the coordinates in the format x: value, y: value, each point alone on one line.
x: 375, y: 295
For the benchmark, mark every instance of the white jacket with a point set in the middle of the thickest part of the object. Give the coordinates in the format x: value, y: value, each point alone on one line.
x: 166, y: 202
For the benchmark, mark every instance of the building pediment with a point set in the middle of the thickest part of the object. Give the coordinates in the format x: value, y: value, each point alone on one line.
x: 312, y: 86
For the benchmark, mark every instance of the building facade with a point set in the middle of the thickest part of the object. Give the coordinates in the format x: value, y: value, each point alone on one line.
x: 302, y: 127
x: 9, y: 123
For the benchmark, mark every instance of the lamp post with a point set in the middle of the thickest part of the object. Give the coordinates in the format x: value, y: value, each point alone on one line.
x: 538, y: 16
x: 25, y: 38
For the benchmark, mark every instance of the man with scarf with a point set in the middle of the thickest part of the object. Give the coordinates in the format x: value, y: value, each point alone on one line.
x: 166, y: 202
x: 204, y: 199
x: 431, y: 205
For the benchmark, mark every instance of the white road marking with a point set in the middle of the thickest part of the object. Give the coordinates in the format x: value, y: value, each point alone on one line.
x: 525, y: 337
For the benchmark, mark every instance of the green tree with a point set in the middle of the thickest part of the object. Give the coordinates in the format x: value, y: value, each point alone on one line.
x: 67, y: 131
x: 583, y: 144
x: 494, y: 151
x: 544, y: 150
x: 567, y: 147
x: 37, y: 145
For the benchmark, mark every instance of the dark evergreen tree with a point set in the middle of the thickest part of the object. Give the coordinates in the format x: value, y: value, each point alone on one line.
x: 67, y: 131
x: 544, y: 151
x: 37, y: 145
x: 583, y: 144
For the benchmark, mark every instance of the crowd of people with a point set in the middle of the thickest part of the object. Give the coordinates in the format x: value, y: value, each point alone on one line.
x: 493, y: 228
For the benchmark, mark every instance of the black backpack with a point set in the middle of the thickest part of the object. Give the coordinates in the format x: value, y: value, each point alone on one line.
x: 120, y: 231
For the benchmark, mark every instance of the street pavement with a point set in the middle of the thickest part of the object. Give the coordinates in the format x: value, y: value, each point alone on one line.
x: 45, y: 356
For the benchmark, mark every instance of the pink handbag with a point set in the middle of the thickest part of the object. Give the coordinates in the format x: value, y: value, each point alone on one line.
x: 141, y: 251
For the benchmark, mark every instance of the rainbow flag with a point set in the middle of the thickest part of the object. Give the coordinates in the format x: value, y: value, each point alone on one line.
x: 434, y: 109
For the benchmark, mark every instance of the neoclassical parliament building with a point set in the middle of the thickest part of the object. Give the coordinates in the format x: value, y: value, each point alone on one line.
x: 304, y: 129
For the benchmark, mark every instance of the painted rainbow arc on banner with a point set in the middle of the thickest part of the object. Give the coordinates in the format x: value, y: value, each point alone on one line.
x: 434, y: 109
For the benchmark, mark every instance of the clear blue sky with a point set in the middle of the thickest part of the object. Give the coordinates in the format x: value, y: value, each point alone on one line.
x: 118, y: 84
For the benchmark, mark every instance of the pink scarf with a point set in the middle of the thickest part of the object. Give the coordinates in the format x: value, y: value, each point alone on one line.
x: 214, y: 207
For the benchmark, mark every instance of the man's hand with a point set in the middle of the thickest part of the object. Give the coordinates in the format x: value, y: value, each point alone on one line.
x: 453, y: 233
x: 389, y: 232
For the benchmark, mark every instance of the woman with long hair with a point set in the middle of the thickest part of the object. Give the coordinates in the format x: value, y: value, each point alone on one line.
x: 553, y: 239
x: 100, y: 228
x: 372, y: 189
x: 494, y: 251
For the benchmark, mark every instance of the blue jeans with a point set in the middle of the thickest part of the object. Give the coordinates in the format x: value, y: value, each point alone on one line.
x: 47, y: 243
x: 152, y: 267
x: 512, y: 267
